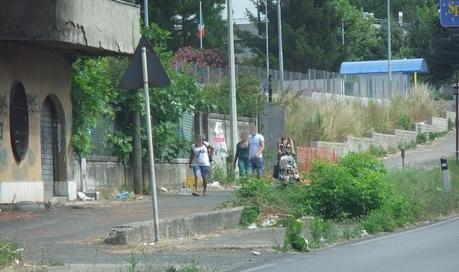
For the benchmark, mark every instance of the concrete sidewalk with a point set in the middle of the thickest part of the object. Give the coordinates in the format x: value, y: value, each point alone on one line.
x: 71, y: 237
x: 49, y: 232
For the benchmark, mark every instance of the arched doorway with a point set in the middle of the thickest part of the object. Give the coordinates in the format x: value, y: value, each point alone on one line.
x: 49, y: 146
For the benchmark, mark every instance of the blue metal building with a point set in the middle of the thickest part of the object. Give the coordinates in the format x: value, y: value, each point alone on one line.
x: 369, y: 78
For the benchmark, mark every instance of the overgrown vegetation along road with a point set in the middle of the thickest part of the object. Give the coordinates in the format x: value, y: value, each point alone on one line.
x: 9, y: 253
x: 359, y: 191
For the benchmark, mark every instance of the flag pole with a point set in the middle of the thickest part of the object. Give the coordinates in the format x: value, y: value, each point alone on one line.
x: 200, y: 25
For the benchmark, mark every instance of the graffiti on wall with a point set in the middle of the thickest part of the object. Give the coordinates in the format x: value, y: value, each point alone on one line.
x: 219, y: 141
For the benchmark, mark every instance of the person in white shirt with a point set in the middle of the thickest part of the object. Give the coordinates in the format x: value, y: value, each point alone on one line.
x: 200, y: 161
x: 256, y: 148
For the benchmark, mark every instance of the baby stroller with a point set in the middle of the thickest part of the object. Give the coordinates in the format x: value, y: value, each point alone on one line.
x: 287, y: 169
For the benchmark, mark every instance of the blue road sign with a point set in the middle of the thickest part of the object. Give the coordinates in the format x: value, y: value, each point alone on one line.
x: 449, y: 13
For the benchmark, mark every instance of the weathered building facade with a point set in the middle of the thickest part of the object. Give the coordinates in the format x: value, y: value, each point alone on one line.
x: 38, y: 41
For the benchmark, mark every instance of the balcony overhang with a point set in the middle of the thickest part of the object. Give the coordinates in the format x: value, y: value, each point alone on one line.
x: 87, y: 27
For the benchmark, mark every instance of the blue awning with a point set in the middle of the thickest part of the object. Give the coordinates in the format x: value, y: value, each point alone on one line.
x: 405, y: 66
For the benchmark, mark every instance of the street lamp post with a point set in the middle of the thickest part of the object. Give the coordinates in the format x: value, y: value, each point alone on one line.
x: 389, y: 51
x: 267, y: 39
x: 232, y: 87
x: 281, y: 53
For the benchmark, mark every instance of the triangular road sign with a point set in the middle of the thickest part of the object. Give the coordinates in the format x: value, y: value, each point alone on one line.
x: 157, y: 76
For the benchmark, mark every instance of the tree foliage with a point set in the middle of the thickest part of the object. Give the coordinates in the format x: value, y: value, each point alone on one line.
x: 96, y: 95
x: 314, y: 34
x: 249, y: 98
x: 181, y: 18
x: 93, y: 96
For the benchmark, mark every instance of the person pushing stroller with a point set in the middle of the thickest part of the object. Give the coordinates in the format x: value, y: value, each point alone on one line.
x: 286, y: 165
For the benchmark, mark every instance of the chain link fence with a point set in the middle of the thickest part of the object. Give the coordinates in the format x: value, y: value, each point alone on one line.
x: 369, y: 86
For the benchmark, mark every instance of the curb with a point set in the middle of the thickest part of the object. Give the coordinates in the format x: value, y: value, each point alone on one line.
x: 198, y: 223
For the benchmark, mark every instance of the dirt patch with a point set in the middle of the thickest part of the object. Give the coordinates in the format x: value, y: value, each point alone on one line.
x: 16, y: 215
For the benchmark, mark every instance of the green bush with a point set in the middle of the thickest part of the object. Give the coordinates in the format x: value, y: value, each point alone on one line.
x: 379, y: 221
x: 356, y: 162
x: 421, y: 138
x: 350, y: 189
x: 249, y: 215
x: 396, y: 212
x: 435, y: 135
x: 325, y: 191
x: 377, y: 151
x: 321, y: 231
x: 404, y: 121
x: 8, y: 253
x: 253, y: 188
x: 293, y: 236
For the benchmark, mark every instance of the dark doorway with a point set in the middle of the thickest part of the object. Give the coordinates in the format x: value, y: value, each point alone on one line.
x: 49, y: 155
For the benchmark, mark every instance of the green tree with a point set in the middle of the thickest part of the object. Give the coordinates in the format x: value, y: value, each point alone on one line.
x: 361, y: 41
x: 438, y: 45
x: 313, y: 31
x: 379, y: 8
x: 96, y: 96
x: 181, y: 19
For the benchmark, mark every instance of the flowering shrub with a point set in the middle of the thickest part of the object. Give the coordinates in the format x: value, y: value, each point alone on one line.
x: 202, y: 57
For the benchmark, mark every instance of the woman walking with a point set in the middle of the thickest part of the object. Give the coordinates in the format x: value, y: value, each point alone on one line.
x: 242, y: 154
x: 199, y: 160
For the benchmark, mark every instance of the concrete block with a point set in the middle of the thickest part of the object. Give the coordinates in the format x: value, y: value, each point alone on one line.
x: 341, y: 149
x: 355, y: 144
x: 451, y: 115
x: 405, y: 136
x: 385, y: 141
x: 440, y: 123
x: 200, y: 223
x: 426, y: 128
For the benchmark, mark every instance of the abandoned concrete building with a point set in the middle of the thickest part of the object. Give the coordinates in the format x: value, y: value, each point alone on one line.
x: 38, y: 41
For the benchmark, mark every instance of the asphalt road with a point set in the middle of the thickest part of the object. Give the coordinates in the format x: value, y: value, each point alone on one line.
x: 430, y: 248
x: 427, y: 156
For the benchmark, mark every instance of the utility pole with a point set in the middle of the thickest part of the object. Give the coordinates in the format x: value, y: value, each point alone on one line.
x: 232, y: 85
x: 267, y: 39
x: 149, y: 133
x: 281, y: 53
x: 389, y: 50
x: 342, y: 31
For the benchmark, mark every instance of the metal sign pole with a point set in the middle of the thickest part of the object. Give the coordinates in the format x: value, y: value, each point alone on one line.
x: 456, y: 93
x: 150, y: 142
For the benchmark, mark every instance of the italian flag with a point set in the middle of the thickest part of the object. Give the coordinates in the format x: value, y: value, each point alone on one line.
x: 201, y: 22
